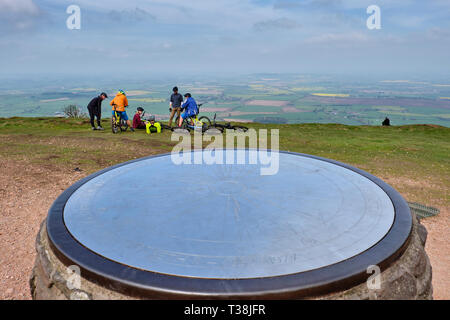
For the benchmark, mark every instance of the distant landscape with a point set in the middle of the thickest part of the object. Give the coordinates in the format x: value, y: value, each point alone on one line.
x: 262, y: 98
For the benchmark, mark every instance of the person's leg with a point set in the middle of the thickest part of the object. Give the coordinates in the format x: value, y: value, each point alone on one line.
x: 92, y: 116
x: 180, y: 122
x: 172, y: 114
x: 99, y: 120
x: 125, y: 117
x: 178, y: 113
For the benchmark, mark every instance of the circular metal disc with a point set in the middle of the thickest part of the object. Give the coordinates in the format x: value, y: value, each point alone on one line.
x: 229, y: 221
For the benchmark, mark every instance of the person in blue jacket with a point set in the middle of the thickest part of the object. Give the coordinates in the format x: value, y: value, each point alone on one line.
x: 190, y: 108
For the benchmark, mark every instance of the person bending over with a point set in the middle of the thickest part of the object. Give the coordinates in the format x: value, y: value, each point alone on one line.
x: 95, y: 110
x: 119, y: 103
x: 190, y: 108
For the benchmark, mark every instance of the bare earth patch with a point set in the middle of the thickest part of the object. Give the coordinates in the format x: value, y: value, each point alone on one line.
x: 243, y: 113
x: 238, y: 120
x: 437, y: 246
x: 215, y: 109
x: 207, y: 91
x: 292, y: 110
x: 27, y: 193
x: 268, y: 103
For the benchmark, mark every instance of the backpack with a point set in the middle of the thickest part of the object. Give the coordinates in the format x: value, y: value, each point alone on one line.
x: 155, y: 128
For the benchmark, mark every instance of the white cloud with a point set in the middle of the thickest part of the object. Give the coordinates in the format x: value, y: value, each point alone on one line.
x: 227, y: 34
x: 27, y: 7
x: 223, y: 14
x: 18, y: 15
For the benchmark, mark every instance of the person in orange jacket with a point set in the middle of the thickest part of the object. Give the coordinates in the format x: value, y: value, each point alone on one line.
x: 119, y: 103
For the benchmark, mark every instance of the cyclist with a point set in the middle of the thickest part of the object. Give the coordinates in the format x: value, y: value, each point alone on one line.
x: 120, y: 102
x: 190, y: 107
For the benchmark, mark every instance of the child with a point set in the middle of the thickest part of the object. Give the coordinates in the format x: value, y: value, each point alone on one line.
x: 137, y: 121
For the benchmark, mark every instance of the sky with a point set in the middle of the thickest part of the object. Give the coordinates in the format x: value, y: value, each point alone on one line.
x: 180, y: 37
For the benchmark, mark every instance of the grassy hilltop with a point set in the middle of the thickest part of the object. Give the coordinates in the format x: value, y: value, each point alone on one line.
x: 413, y: 158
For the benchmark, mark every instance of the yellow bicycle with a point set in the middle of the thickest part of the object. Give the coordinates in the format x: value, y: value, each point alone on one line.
x: 195, y: 123
x: 117, y: 123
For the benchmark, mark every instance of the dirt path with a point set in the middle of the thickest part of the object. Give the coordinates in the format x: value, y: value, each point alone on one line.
x: 27, y: 192
x: 438, y: 249
x: 438, y: 241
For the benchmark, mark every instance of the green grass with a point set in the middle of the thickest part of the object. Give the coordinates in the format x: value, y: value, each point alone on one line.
x: 416, y: 152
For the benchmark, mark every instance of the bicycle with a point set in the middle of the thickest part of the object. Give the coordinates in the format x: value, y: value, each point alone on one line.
x: 227, y: 125
x: 194, y: 122
x: 117, y: 123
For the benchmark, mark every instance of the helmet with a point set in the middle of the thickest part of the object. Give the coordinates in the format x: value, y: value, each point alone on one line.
x: 122, y: 92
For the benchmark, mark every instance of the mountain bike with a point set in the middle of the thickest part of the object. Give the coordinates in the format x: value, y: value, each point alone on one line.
x: 117, y: 123
x: 227, y: 125
x: 195, y: 123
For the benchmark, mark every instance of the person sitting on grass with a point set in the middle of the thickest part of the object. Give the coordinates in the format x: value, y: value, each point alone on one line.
x: 190, y: 107
x: 137, y: 119
x: 119, y: 103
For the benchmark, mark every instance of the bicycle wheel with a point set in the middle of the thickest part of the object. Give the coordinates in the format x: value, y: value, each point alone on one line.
x: 185, y: 125
x: 114, y: 126
x: 123, y: 125
x: 205, y: 120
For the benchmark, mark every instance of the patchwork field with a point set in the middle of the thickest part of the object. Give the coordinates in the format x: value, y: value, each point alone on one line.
x: 338, y: 95
x: 255, y: 98
x: 267, y: 103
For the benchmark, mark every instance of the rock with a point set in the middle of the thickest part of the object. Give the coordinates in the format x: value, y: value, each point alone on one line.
x: 402, y: 288
x: 409, y: 277
x: 421, y: 265
x: 423, y: 234
x: 79, y: 295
